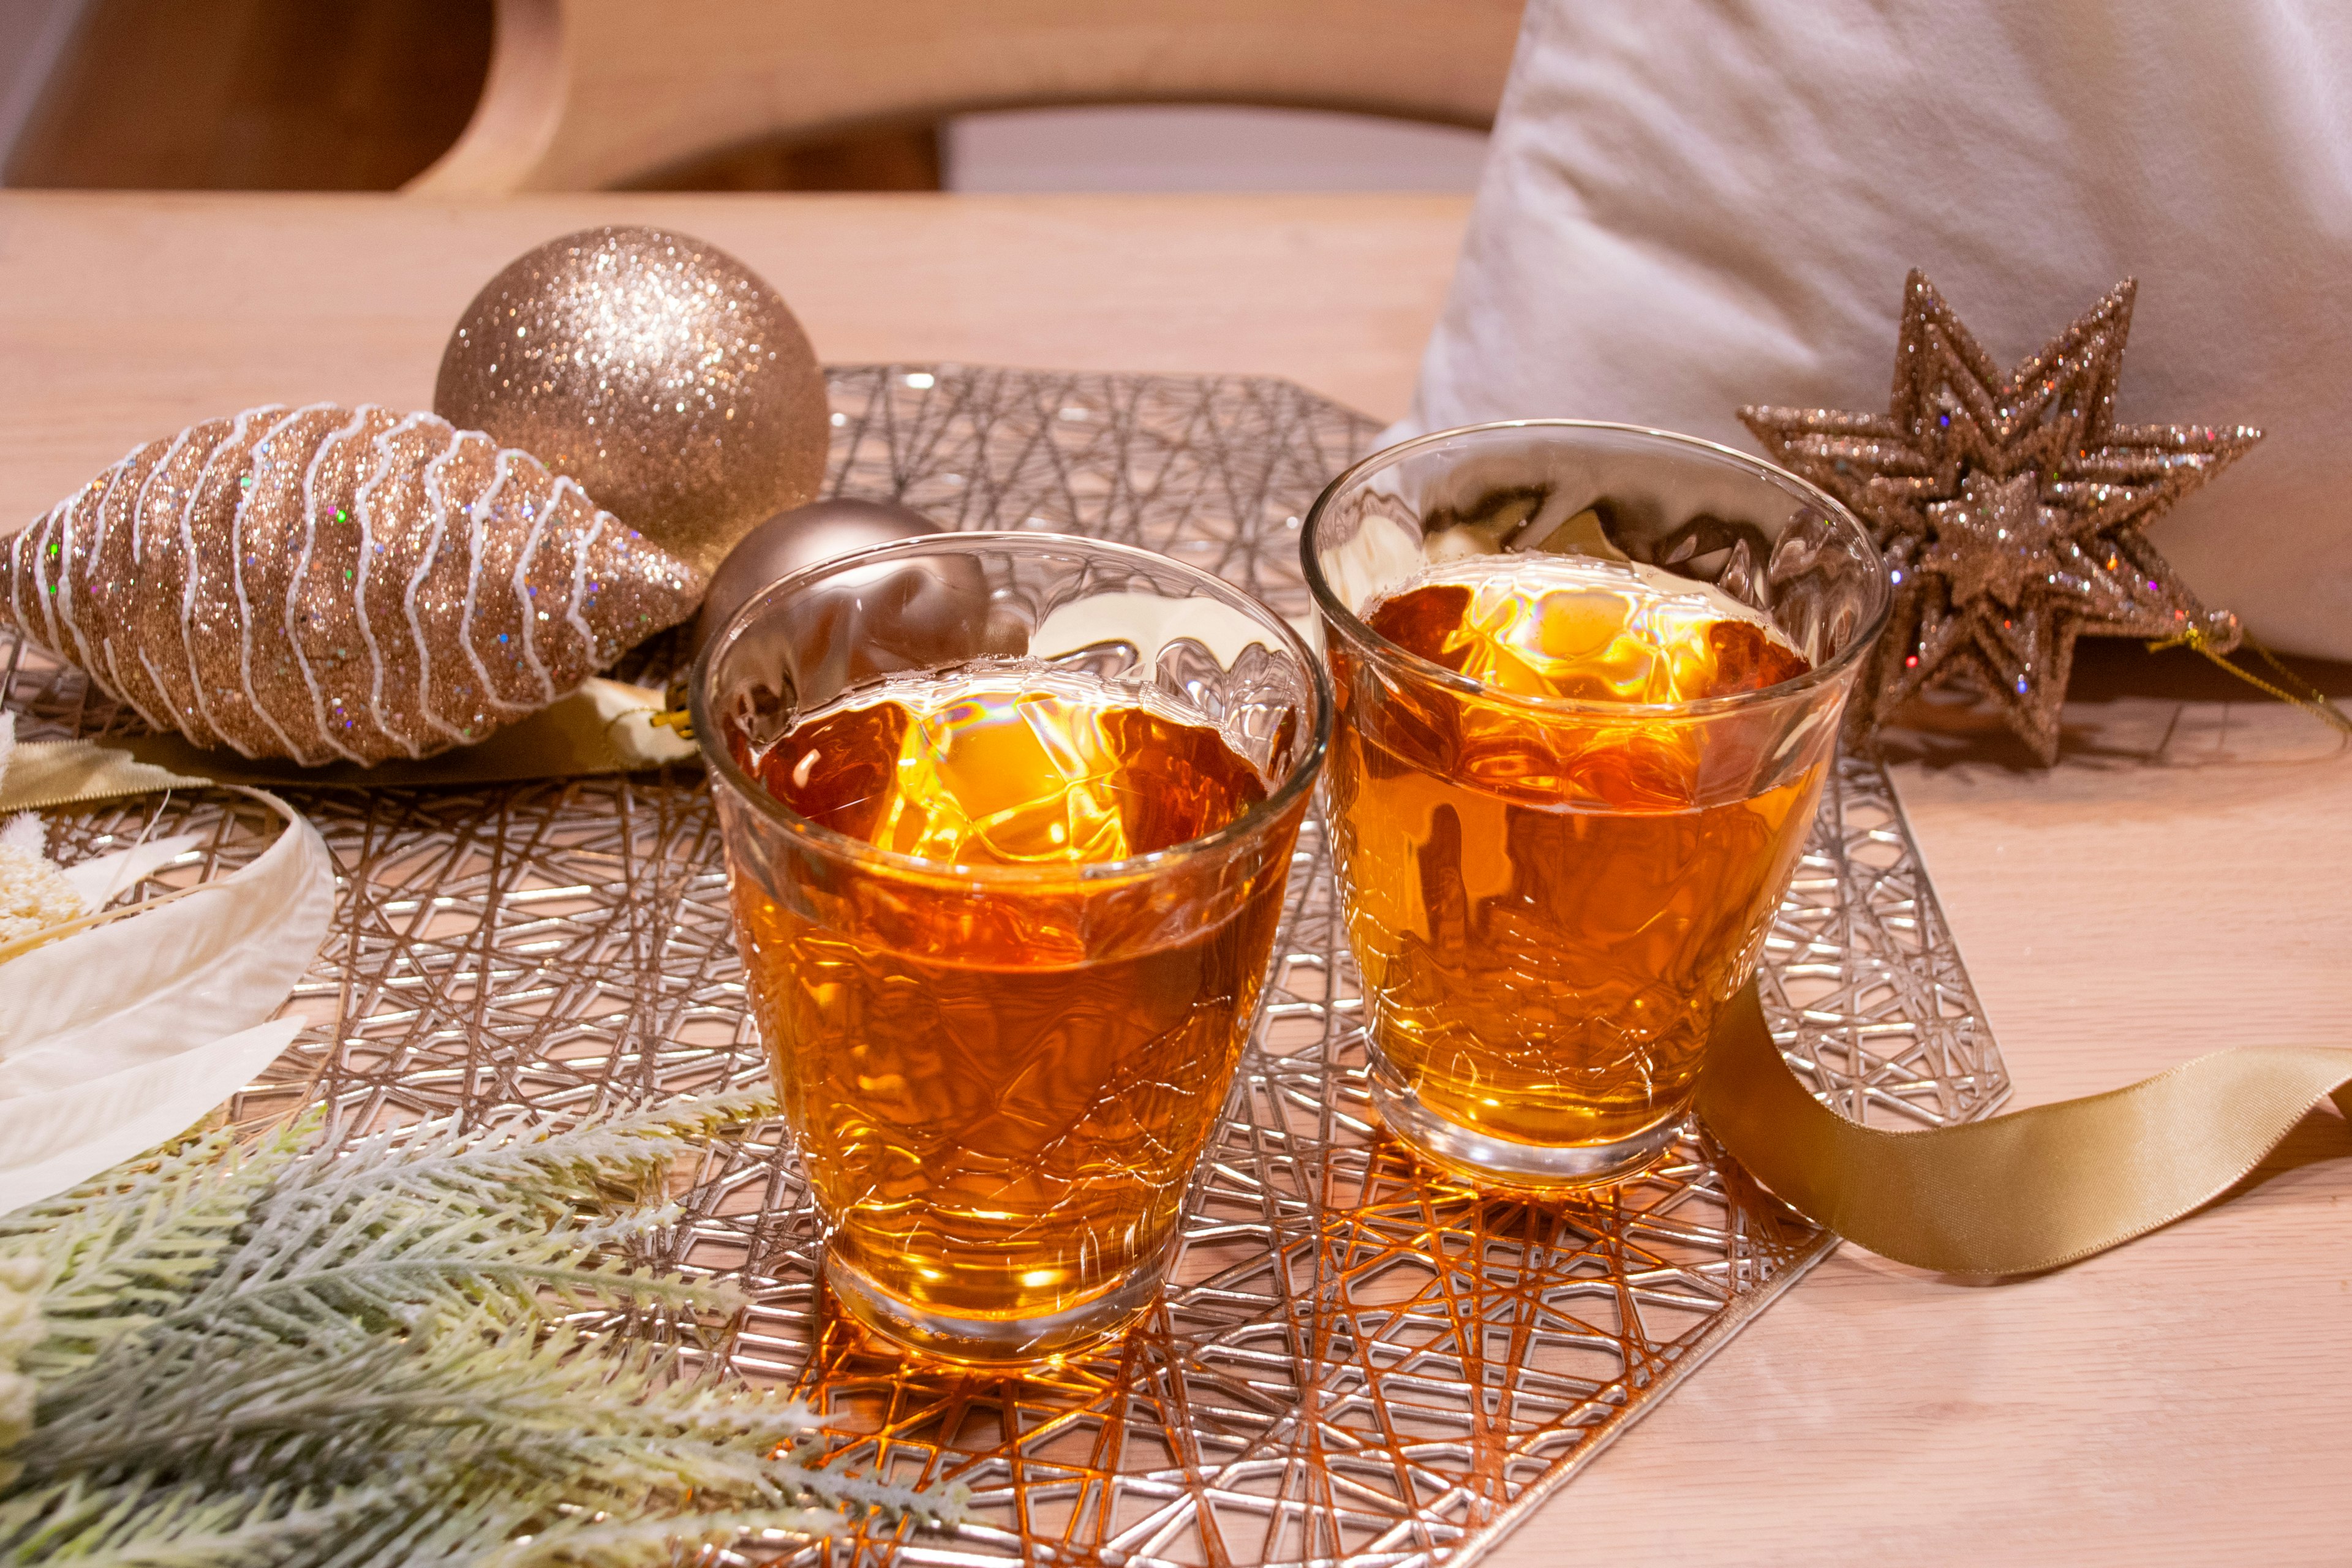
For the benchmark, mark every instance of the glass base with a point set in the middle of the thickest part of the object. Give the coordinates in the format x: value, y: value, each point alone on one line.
x: 991, y: 1341
x: 1489, y: 1162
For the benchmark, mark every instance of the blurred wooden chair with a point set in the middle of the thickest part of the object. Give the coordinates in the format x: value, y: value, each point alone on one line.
x: 247, y: 94
x: 591, y: 94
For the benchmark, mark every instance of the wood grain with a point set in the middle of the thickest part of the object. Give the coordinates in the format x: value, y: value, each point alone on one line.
x: 588, y: 94
x: 2178, y: 884
x: 124, y: 318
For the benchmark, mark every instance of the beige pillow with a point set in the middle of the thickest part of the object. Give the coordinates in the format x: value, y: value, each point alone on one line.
x: 1692, y: 205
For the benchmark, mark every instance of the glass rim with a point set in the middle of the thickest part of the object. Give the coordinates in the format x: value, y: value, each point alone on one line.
x: 1252, y: 822
x: 1350, y: 626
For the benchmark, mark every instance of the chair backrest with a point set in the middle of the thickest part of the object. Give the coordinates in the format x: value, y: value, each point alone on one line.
x: 587, y: 94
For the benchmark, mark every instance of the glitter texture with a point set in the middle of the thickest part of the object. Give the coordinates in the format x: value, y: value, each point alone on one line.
x: 2010, y: 508
x: 325, y: 582
x: 658, y: 371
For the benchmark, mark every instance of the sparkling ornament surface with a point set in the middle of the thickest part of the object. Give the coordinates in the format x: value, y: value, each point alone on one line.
x: 2010, y: 508
x: 1357, y: 1364
x: 327, y: 582
x: 657, y: 370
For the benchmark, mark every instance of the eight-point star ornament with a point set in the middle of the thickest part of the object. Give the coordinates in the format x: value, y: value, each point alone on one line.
x: 2009, y: 507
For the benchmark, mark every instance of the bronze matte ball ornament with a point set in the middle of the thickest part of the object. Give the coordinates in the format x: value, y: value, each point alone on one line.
x: 895, y: 615
x: 801, y: 537
x: 657, y: 370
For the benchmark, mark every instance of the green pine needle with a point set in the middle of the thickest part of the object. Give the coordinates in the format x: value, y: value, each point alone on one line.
x: 412, y: 1350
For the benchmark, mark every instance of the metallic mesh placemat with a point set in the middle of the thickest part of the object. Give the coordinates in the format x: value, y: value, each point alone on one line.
x: 1354, y: 1362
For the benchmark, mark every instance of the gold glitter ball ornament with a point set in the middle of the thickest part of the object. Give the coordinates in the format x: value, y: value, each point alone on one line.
x: 325, y: 582
x: 2011, y: 508
x: 657, y: 370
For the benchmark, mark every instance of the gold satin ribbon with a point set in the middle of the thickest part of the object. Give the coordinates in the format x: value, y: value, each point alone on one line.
x: 2016, y: 1193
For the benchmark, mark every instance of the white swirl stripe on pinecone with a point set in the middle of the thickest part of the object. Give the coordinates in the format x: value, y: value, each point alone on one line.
x: 327, y: 582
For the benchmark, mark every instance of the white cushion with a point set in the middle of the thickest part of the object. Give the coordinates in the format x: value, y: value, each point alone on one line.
x: 1693, y: 205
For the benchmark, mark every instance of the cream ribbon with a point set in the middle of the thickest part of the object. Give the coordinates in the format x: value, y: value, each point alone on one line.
x: 2013, y: 1195
x: 115, y: 1038
x: 605, y: 727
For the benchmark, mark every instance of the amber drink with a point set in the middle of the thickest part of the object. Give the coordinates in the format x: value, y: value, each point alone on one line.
x: 1589, y: 681
x: 1006, y: 895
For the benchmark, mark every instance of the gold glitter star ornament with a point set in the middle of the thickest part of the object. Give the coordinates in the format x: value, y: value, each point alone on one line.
x: 328, y: 583
x: 2010, y: 508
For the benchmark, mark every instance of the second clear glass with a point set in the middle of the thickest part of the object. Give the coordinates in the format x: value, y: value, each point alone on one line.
x: 1548, y: 897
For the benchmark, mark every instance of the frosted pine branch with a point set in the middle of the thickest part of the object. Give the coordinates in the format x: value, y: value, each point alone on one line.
x: 408, y: 1352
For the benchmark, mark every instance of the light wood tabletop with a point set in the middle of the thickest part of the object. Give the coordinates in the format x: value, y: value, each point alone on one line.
x: 2179, y: 882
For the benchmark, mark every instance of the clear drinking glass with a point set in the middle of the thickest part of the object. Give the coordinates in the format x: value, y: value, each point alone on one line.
x: 1008, y: 818
x: 1556, y: 862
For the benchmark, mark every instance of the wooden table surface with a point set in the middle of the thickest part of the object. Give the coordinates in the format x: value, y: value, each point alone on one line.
x: 2178, y: 884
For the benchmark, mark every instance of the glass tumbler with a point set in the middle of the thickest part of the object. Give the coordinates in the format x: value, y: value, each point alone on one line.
x: 1556, y: 862
x: 1007, y: 818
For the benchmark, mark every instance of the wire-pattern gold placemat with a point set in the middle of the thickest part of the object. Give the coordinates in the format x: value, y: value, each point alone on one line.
x: 1354, y: 1364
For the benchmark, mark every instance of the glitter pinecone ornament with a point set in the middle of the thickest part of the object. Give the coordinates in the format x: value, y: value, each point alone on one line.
x: 327, y: 582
